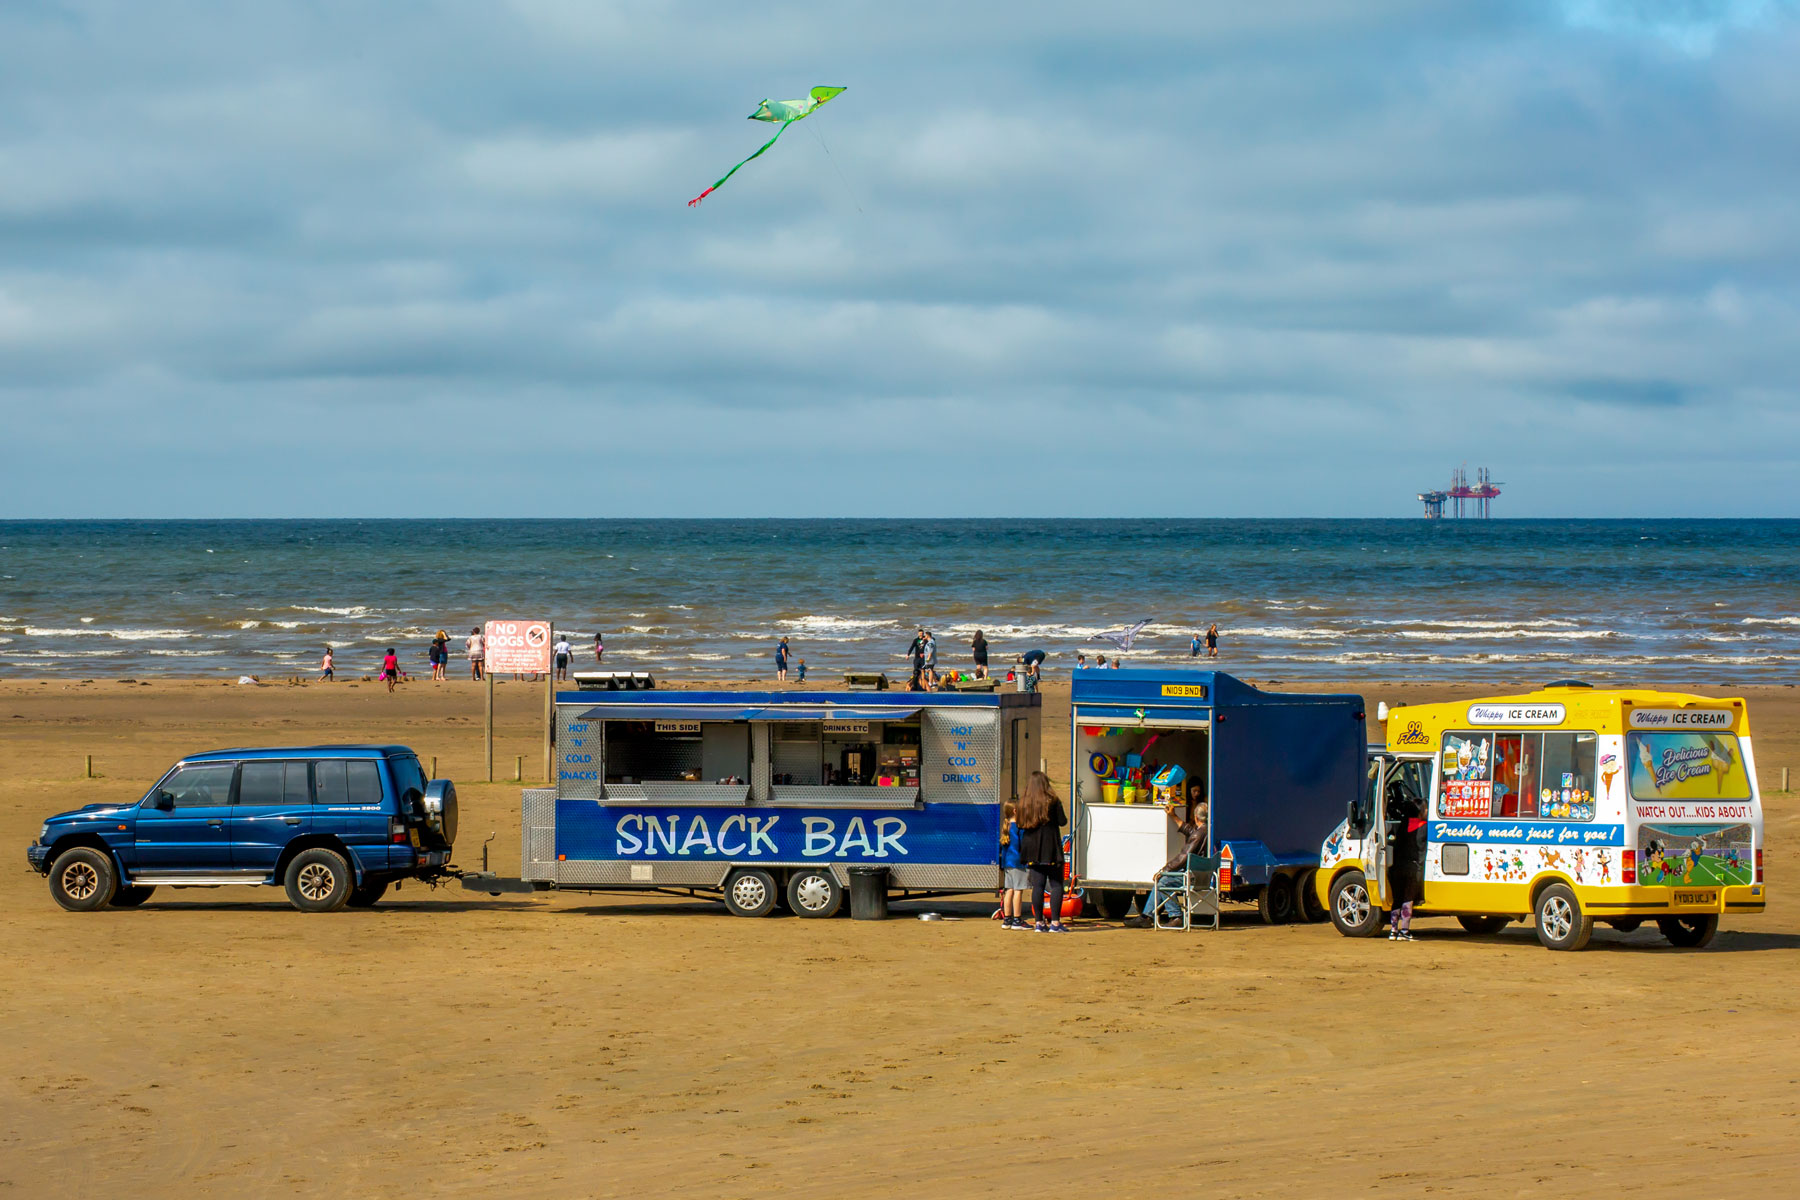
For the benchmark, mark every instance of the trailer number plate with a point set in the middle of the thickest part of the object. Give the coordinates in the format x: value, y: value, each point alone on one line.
x: 1191, y: 691
x: 1694, y: 898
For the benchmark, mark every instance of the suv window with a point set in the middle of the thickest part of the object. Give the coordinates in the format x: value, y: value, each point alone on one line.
x: 365, y: 783
x: 273, y: 783
x: 408, y: 776
x: 338, y: 782
x: 203, y: 785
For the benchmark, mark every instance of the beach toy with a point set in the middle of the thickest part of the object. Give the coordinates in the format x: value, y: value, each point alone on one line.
x: 1130, y: 793
x: 1101, y: 764
x: 1109, y: 793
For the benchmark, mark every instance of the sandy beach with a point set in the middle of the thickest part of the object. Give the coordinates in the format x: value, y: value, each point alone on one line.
x: 219, y: 1043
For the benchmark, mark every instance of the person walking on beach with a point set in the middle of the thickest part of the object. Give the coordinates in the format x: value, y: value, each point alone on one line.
x: 390, y: 668
x: 562, y: 657
x: 1194, y: 647
x: 781, y: 661
x: 599, y: 649
x: 931, y: 675
x: 1212, y: 640
x: 916, y: 652
x: 475, y: 653
x: 1041, y: 818
x: 979, y: 647
x: 325, y: 672
x: 800, y: 674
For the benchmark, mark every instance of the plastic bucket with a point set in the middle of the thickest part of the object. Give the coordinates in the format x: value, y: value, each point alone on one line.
x: 1131, y: 794
x: 1109, y: 793
x: 868, y: 893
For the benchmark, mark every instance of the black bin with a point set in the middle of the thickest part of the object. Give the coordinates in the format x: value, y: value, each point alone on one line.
x: 868, y: 893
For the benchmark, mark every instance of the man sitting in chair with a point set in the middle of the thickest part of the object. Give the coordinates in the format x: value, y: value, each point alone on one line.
x: 1192, y: 824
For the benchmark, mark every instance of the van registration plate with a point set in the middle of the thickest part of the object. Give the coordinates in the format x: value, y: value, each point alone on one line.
x: 1694, y: 898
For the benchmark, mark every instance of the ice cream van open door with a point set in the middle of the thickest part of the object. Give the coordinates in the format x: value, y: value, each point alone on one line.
x: 1358, y: 898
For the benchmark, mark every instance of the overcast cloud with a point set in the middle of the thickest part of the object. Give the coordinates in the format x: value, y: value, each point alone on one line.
x: 336, y: 258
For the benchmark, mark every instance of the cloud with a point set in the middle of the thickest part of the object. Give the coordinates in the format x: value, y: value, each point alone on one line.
x: 1170, y: 258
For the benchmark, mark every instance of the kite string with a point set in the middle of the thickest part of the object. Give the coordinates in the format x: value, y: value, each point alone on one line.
x: 834, y: 167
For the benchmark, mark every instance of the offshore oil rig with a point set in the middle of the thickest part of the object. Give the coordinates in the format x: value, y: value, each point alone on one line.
x: 1479, y: 496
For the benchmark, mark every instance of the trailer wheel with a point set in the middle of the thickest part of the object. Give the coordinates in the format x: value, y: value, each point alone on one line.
x: 1306, y: 897
x: 1276, y: 901
x: 1690, y: 933
x: 1483, y: 924
x: 814, y: 892
x: 1561, y: 925
x: 750, y: 892
x: 1114, y: 903
x: 1352, y: 910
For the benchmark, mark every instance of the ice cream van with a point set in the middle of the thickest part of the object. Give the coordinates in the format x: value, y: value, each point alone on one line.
x: 1571, y: 805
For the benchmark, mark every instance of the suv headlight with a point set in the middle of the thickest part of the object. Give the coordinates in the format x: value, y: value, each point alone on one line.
x: 44, y: 835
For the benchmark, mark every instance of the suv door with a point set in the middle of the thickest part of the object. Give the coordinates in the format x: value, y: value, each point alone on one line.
x: 181, y: 827
x: 348, y: 798
x: 274, y: 806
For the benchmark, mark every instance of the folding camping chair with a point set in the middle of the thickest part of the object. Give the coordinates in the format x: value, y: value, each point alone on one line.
x: 1195, y: 891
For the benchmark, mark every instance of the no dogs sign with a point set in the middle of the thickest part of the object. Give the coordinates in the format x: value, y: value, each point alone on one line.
x: 518, y: 647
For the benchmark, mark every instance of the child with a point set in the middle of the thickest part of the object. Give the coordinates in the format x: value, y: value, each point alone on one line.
x: 390, y: 668
x: 325, y: 675
x: 1017, y: 880
x: 800, y: 676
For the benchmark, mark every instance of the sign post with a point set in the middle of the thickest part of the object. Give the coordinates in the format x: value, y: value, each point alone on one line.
x: 517, y: 647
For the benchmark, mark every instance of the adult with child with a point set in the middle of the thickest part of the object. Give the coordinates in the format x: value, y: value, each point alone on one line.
x: 1041, y: 819
x: 781, y: 661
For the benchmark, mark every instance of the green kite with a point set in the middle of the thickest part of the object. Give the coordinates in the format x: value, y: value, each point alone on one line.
x: 779, y: 112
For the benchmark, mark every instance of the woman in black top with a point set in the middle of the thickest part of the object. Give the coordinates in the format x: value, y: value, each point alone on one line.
x: 978, y: 644
x: 1041, y: 818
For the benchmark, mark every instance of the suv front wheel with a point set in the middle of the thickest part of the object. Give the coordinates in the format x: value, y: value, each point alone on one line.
x: 319, y: 880
x: 83, y: 879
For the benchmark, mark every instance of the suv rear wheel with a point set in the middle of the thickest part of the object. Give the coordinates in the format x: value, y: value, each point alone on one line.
x: 319, y: 880
x: 83, y: 879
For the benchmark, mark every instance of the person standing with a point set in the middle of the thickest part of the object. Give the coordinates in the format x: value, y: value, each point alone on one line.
x: 916, y: 652
x: 1212, y: 640
x: 390, y: 668
x: 978, y: 646
x: 1041, y: 818
x: 1194, y: 647
x: 1015, y: 880
x: 325, y: 667
x: 930, y: 661
x: 1407, y: 875
x: 476, y: 653
x: 562, y: 657
x: 781, y: 661
x: 440, y: 656
x: 599, y: 649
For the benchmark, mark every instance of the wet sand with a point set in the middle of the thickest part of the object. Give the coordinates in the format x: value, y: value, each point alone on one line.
x: 218, y: 1043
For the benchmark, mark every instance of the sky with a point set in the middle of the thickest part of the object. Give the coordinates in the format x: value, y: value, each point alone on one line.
x: 1150, y: 259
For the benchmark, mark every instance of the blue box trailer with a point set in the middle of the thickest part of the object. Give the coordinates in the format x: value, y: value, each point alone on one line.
x: 1279, y: 770
x: 770, y: 798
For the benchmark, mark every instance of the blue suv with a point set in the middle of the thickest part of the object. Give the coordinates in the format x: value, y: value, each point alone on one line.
x: 334, y: 825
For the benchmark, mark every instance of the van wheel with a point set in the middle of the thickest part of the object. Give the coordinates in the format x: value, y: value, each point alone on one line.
x: 1306, y: 897
x: 1690, y: 933
x: 319, y: 881
x: 750, y: 892
x: 1276, y: 901
x: 366, y: 895
x: 131, y: 897
x: 1483, y: 924
x: 814, y: 893
x: 1114, y: 903
x: 1561, y: 925
x: 1353, y: 911
x: 83, y: 879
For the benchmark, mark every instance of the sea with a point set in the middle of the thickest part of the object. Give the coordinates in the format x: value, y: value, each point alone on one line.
x: 1507, y: 602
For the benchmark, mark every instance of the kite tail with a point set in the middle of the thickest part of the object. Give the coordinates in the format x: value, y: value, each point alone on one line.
x: 721, y: 182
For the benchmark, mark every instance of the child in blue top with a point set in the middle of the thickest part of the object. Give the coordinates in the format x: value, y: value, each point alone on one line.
x: 1016, y: 879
